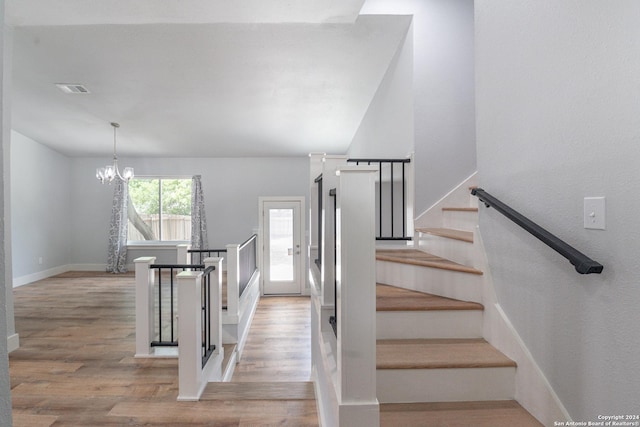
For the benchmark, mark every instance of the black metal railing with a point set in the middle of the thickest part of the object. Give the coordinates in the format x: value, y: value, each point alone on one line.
x: 208, y: 347
x: 318, y: 260
x: 247, y: 260
x: 333, y: 320
x: 582, y: 263
x: 391, y: 212
x: 167, y: 303
x: 198, y: 255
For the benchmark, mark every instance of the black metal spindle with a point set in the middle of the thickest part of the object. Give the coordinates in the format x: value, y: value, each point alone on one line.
x: 391, y: 206
x: 380, y: 196
x: 382, y: 199
x: 404, y: 203
x: 160, y: 305
x: 171, y: 306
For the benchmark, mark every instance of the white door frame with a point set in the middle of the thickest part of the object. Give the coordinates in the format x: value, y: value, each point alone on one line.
x: 302, y: 265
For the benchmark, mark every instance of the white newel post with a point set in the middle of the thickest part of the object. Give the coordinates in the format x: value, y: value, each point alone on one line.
x: 182, y: 254
x: 215, y: 302
x: 356, y: 299
x: 145, y: 278
x: 233, y: 281
x: 190, y: 382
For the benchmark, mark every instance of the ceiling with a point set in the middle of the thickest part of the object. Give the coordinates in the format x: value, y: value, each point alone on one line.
x: 213, y: 78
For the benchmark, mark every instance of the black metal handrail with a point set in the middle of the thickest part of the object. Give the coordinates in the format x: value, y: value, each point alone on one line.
x: 582, y: 263
x: 386, y: 224
x: 318, y: 260
x: 207, y: 252
x: 207, y: 346
x: 247, y: 260
x: 173, y: 333
x: 333, y: 320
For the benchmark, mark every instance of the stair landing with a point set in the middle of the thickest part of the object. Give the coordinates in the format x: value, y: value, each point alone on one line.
x: 391, y: 298
x: 502, y: 413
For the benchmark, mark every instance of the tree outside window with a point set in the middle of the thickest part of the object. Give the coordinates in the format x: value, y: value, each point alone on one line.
x: 159, y: 209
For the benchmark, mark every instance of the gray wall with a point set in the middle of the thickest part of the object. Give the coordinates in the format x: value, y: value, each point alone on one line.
x: 6, y: 300
x: 443, y: 92
x: 231, y: 190
x: 557, y: 120
x: 40, y: 205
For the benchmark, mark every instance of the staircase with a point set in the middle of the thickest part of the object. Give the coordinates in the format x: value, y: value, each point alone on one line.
x: 433, y: 366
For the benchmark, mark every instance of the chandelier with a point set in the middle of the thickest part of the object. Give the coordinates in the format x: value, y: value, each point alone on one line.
x: 110, y: 172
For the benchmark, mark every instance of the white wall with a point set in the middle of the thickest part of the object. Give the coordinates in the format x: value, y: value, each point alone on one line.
x: 231, y: 189
x: 558, y: 110
x: 40, y: 206
x: 386, y: 131
x: 443, y: 92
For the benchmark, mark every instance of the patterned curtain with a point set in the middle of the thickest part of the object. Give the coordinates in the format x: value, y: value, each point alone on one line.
x: 199, y: 239
x: 117, y: 253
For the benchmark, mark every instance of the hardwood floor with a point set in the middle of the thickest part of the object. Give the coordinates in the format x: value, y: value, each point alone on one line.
x: 75, y: 364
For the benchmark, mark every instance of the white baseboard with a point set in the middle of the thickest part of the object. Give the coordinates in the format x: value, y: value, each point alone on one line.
x: 45, y: 274
x: 40, y: 275
x: 13, y: 342
x: 533, y: 390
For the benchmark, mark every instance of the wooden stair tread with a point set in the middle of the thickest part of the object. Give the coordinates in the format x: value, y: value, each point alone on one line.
x: 450, y: 233
x: 392, y: 298
x: 439, y: 354
x: 499, y: 413
x: 460, y: 209
x: 424, y: 259
x: 259, y: 391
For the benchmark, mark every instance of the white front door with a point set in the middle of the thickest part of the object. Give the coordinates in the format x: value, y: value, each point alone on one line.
x: 282, y: 256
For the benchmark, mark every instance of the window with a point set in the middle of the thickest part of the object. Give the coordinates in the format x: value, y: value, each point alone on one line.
x: 159, y: 209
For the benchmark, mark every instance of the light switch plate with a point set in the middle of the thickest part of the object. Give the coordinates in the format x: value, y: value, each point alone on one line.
x: 594, y: 213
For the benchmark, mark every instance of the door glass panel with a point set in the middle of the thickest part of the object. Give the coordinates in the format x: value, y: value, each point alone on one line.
x: 281, y: 248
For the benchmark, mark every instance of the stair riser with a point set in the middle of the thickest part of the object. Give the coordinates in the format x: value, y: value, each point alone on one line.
x: 460, y: 220
x: 455, y: 250
x: 445, y: 385
x: 446, y: 283
x: 429, y: 324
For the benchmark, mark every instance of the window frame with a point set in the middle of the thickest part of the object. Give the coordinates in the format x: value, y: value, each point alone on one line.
x: 159, y: 244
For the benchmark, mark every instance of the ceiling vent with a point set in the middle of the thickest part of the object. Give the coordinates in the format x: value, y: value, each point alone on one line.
x: 72, y: 88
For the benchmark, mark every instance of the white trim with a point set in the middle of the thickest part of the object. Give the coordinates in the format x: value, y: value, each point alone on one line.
x: 304, y: 284
x: 13, y: 342
x: 532, y: 389
x: 40, y: 275
x: 432, y: 217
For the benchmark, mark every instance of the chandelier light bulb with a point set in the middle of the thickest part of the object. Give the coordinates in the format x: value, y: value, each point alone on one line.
x: 110, y: 172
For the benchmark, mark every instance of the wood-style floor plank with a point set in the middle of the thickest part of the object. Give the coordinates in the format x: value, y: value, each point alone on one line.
x: 279, y: 346
x: 76, y: 365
